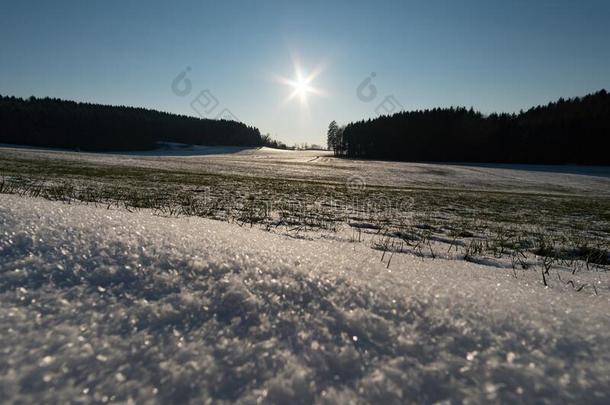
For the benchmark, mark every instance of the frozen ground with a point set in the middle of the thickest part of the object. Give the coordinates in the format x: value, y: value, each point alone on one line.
x: 321, y: 166
x: 106, y: 305
x: 167, y: 149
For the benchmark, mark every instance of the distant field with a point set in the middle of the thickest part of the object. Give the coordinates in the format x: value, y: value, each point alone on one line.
x: 321, y: 166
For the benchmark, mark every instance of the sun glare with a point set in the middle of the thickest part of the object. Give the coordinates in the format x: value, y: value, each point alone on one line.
x: 301, y: 88
x: 301, y: 84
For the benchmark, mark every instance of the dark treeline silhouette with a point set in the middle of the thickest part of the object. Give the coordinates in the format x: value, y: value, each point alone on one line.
x: 573, y: 131
x: 67, y: 124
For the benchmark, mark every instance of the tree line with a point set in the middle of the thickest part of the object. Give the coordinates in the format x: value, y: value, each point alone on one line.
x: 572, y: 131
x: 52, y: 122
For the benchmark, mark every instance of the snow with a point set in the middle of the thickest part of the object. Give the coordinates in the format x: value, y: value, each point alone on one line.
x: 167, y: 149
x: 322, y: 166
x: 105, y: 305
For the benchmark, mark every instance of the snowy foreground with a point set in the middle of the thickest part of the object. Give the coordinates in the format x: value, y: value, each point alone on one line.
x: 107, y: 305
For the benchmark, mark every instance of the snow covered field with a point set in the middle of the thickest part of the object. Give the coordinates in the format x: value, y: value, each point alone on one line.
x: 315, y: 280
x: 321, y: 166
x: 107, y: 305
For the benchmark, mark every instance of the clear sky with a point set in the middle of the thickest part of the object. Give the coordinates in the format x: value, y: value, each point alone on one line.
x: 493, y: 55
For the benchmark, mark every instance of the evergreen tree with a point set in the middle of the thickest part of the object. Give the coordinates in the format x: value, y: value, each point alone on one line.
x: 569, y: 131
x: 332, y: 136
x: 93, y: 127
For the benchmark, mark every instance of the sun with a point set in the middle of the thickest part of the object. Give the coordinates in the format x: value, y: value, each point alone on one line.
x: 301, y: 84
x: 301, y: 87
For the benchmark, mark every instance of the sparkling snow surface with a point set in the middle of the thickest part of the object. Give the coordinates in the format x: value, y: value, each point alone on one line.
x: 106, y: 305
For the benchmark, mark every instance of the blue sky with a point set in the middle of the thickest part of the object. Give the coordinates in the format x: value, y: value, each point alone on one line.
x: 493, y: 55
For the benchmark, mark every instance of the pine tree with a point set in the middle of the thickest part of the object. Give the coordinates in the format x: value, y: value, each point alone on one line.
x: 332, y: 136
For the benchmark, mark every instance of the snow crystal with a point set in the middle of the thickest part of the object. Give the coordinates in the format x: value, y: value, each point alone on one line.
x: 190, y: 310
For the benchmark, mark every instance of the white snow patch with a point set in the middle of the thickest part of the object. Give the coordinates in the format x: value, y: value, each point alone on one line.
x: 112, y: 306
